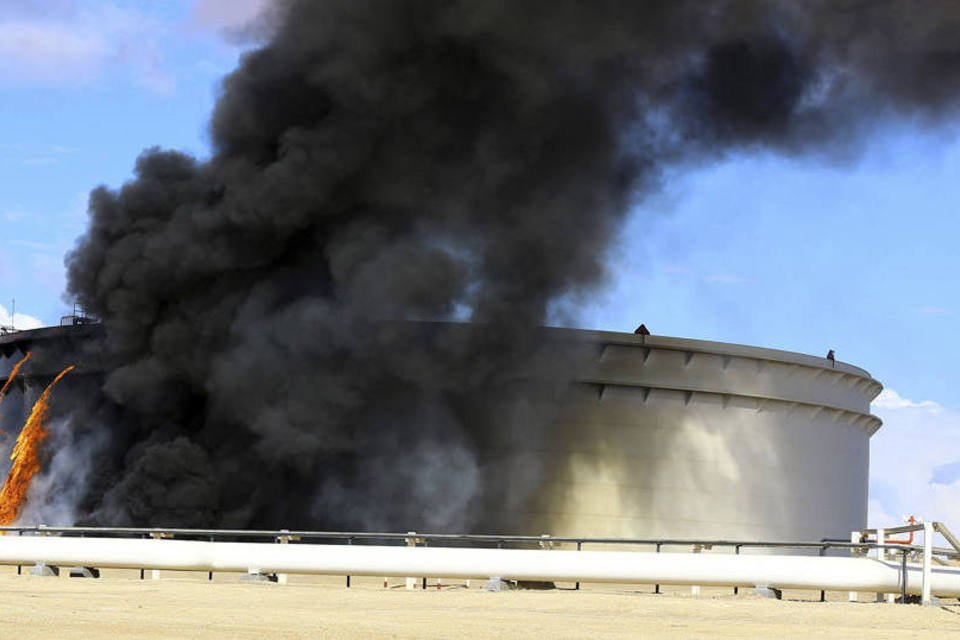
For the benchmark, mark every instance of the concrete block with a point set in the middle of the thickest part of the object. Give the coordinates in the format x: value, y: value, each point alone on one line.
x: 44, y: 570
x: 766, y: 591
x: 497, y: 584
x: 257, y: 577
x: 84, y: 572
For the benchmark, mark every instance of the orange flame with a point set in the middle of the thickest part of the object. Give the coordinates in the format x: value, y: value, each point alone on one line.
x: 13, y: 375
x: 26, y: 455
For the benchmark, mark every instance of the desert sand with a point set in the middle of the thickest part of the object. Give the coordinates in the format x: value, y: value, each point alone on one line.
x: 186, y: 605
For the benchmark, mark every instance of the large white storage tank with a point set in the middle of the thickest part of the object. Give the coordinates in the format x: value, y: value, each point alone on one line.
x: 659, y: 438
x: 677, y: 438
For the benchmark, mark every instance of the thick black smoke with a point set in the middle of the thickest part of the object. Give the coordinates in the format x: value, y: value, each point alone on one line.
x: 381, y: 162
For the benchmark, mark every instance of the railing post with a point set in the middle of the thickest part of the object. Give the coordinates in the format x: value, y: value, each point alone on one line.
x: 155, y: 573
x: 903, y: 575
x: 854, y: 539
x: 736, y: 552
x: 426, y: 543
x: 881, y: 556
x: 656, y: 587
x: 823, y: 594
x: 143, y: 537
x: 579, y: 547
x: 926, y: 596
x: 210, y: 573
x: 411, y: 540
x: 349, y: 543
x: 284, y: 538
x: 695, y: 588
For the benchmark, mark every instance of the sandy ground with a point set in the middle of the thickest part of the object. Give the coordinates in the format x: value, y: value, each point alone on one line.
x: 187, y: 606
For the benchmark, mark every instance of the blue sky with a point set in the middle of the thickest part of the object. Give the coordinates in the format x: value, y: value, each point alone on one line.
x: 794, y: 254
x: 805, y: 254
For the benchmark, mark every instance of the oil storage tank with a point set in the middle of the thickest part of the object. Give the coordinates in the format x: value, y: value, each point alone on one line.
x: 675, y: 438
x: 657, y: 437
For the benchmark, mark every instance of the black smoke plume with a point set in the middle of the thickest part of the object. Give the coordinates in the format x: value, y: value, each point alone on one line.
x: 379, y: 164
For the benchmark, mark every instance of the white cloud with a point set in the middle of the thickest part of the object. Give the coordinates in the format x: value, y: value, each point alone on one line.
x: 914, y: 461
x: 76, y: 44
x: 21, y: 321
x: 239, y: 22
x: 49, y: 52
x: 227, y: 14
x: 890, y: 399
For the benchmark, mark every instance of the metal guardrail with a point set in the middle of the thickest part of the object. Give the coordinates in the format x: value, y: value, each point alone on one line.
x: 403, y: 537
x: 450, y: 538
x: 412, y: 538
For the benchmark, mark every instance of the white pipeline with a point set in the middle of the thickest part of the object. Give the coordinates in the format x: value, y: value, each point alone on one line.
x: 784, y: 572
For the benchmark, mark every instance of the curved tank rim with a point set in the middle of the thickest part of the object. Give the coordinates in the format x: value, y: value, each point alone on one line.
x: 42, y: 333
x: 597, y: 335
x: 719, y: 348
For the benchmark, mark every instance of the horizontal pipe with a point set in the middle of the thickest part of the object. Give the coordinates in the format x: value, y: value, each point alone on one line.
x: 784, y: 572
x: 907, y: 528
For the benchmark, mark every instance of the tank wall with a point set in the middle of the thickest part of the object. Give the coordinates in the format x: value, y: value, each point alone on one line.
x: 674, y: 443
